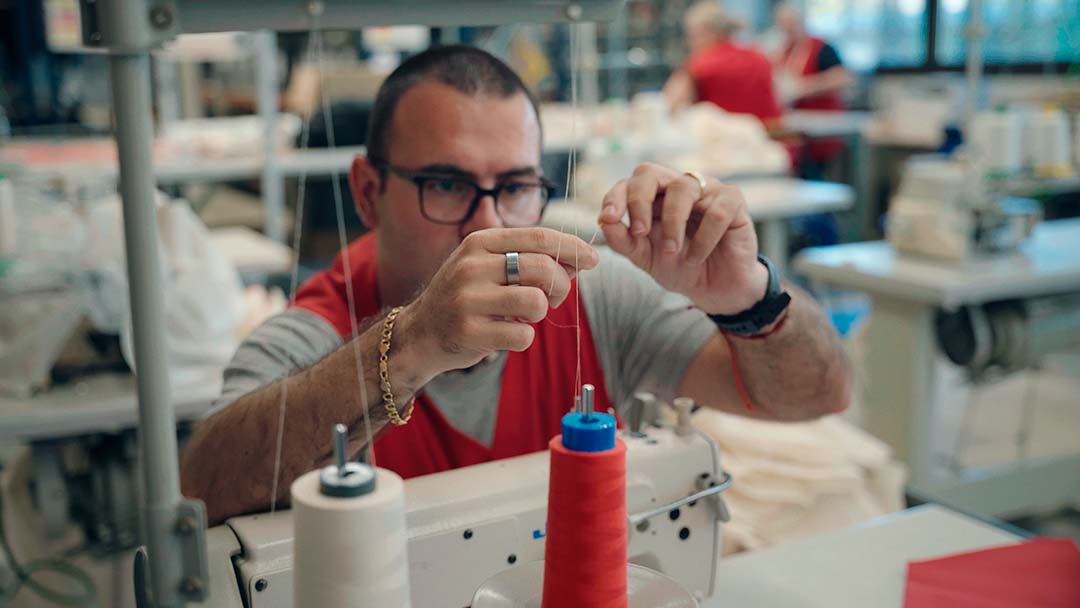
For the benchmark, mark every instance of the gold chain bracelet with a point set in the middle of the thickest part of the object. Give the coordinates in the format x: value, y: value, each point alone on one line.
x: 384, y: 370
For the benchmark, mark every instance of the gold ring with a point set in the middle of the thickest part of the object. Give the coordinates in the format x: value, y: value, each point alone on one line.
x: 700, y: 180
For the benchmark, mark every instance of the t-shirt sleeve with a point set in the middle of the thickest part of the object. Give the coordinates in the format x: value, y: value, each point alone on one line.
x: 828, y: 58
x: 646, y: 336
x: 291, y: 341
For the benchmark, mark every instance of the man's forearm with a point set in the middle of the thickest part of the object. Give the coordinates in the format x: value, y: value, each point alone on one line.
x: 799, y: 372
x: 834, y: 79
x: 679, y: 91
x: 229, y: 460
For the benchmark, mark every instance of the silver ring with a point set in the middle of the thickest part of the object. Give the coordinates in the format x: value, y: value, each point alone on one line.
x: 513, y: 271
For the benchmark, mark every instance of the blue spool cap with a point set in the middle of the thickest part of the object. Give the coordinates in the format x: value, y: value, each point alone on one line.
x: 588, y: 433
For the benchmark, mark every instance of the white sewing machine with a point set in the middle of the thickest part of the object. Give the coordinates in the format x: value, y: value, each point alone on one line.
x: 467, y: 524
x: 947, y: 209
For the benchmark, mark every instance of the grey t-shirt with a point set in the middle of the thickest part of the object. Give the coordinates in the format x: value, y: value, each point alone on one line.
x: 645, y: 336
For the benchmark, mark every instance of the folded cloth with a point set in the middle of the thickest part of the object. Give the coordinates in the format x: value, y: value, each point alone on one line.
x: 794, y: 480
x: 1040, y: 573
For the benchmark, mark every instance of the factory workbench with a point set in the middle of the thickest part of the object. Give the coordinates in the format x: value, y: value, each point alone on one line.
x: 902, y: 363
x: 864, y: 565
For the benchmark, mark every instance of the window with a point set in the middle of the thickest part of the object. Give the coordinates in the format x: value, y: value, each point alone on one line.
x: 1018, y: 31
x: 929, y: 34
x: 871, y: 33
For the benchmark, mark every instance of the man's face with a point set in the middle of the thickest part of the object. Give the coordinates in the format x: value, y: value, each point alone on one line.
x: 789, y: 22
x: 438, y: 130
x: 698, y: 37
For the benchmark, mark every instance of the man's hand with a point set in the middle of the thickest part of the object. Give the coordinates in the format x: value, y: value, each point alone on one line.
x: 468, y: 311
x: 700, y: 243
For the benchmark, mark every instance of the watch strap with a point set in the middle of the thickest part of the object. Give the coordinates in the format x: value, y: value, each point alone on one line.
x: 762, y: 314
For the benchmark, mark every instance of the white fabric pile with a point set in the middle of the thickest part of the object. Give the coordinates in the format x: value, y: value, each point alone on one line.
x: 794, y: 480
x: 726, y: 144
x: 701, y: 138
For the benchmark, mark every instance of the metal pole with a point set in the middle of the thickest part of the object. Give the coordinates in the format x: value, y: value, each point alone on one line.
x: 131, y: 102
x: 266, y: 85
x: 166, y: 81
x: 590, y: 62
x: 975, y: 32
x: 618, y: 87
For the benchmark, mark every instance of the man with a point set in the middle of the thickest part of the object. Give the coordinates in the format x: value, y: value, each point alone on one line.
x: 736, y: 78
x: 810, y: 76
x: 812, y: 66
x: 481, y: 361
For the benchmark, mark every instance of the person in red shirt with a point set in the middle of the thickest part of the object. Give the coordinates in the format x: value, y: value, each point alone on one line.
x: 810, y: 69
x: 735, y: 78
x: 810, y: 76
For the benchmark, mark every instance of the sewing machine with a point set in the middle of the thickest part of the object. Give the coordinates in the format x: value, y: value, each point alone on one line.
x: 467, y: 524
x: 947, y: 209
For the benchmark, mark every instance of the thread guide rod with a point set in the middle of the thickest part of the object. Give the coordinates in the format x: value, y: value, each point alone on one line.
x: 340, y: 434
x: 587, y: 396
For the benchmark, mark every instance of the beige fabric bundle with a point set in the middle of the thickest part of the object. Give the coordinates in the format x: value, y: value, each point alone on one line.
x: 793, y: 480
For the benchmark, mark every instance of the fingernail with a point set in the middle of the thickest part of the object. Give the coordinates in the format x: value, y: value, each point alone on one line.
x: 609, y: 210
x: 637, y: 228
x: 670, y: 246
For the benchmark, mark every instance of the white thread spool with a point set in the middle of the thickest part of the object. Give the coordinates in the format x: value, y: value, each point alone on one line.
x: 349, y: 551
x: 1048, y: 143
x: 996, y: 142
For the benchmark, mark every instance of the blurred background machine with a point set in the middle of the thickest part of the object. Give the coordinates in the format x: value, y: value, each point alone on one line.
x: 947, y: 209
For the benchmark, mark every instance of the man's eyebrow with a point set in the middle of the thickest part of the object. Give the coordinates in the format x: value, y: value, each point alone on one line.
x: 444, y: 169
x: 520, y: 172
x: 454, y: 170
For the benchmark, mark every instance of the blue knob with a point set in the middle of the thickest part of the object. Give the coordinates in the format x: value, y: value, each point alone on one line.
x: 588, y: 432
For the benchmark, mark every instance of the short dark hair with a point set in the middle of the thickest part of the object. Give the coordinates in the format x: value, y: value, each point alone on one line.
x: 467, y: 69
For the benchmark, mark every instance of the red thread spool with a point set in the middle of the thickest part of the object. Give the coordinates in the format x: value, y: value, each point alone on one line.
x: 585, y: 549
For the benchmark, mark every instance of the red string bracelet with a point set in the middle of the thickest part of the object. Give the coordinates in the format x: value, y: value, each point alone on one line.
x: 735, y: 363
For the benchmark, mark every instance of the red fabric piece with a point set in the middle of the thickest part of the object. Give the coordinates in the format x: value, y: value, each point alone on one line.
x: 538, y: 385
x: 735, y: 78
x: 1040, y: 573
x: 586, y: 529
x: 820, y: 150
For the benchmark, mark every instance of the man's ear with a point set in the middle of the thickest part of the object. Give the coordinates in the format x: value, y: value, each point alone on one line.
x: 366, y: 182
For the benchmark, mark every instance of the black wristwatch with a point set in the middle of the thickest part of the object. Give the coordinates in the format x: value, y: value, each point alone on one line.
x: 768, y: 309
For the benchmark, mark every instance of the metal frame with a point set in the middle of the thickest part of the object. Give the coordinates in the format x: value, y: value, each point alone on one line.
x: 900, y: 409
x: 175, y: 528
x: 904, y: 392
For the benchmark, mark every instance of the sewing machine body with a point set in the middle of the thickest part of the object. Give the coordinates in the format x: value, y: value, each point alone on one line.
x: 946, y: 209
x: 467, y: 524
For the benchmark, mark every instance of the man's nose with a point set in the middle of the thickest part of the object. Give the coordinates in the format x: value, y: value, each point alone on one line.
x: 485, y: 217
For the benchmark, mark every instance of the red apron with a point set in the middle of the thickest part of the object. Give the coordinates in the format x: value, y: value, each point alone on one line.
x: 820, y: 150
x: 538, y: 385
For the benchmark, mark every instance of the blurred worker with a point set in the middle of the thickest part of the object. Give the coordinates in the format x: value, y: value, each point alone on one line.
x: 469, y: 310
x: 736, y: 78
x: 809, y: 76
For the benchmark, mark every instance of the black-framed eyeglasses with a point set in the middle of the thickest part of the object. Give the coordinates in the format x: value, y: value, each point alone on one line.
x: 446, y: 199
